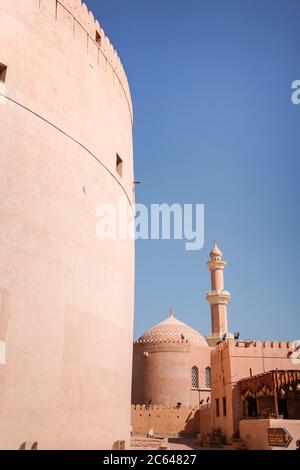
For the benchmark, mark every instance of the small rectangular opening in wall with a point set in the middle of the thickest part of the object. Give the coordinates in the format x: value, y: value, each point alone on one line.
x: 224, y: 406
x: 98, y: 38
x: 217, y: 407
x: 119, y: 165
x: 3, y: 69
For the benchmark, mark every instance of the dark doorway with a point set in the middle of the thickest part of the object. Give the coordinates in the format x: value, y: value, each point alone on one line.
x: 282, y: 408
x: 252, y: 408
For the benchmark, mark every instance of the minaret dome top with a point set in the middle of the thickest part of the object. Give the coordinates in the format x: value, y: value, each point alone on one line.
x: 216, y: 252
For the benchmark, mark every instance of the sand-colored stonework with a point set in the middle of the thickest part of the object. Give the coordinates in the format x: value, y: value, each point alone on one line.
x: 66, y: 298
x: 163, y: 360
x: 226, y: 411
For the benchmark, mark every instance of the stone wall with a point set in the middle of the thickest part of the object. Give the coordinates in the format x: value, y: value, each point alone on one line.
x: 169, y: 421
x: 235, y: 360
x: 254, y: 433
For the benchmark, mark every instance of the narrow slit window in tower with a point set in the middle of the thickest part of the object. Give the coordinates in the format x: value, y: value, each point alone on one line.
x: 119, y: 165
x: 3, y: 69
x: 98, y: 38
x: 224, y: 406
x: 217, y: 407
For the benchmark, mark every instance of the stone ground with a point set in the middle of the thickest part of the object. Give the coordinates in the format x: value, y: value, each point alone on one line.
x: 174, y: 443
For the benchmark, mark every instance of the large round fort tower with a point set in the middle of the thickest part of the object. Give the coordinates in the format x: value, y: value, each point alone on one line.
x: 66, y: 297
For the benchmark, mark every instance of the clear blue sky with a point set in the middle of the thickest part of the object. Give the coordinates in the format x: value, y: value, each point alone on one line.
x: 214, y: 124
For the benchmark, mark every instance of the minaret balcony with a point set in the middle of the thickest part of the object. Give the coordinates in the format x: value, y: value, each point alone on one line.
x: 216, y: 263
x: 217, y: 297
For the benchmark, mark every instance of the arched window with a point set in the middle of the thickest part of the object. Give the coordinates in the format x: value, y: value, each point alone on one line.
x: 195, y: 377
x: 208, y: 377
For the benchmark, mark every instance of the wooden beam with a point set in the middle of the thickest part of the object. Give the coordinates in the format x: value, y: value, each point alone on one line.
x: 275, y: 397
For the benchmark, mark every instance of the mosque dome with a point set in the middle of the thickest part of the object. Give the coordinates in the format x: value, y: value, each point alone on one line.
x: 173, y: 330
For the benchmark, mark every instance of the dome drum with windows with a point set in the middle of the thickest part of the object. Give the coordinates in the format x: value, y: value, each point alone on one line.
x: 171, y: 365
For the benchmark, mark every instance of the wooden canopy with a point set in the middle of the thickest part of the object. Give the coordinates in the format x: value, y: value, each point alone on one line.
x: 273, y: 380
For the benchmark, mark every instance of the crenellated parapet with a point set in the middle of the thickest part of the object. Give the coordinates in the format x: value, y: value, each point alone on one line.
x: 280, y: 345
x: 274, y: 346
x: 161, y: 341
x: 162, y: 407
x: 220, y: 347
x: 80, y: 23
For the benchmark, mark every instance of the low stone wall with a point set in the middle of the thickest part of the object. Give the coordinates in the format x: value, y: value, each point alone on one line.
x: 205, y: 425
x: 166, y: 421
x: 254, y: 432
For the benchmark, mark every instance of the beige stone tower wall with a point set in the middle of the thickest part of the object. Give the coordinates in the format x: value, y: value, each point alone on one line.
x: 66, y: 298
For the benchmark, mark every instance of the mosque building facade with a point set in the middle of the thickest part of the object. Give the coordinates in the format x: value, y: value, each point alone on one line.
x: 171, y: 361
x: 220, y: 385
x: 171, y: 365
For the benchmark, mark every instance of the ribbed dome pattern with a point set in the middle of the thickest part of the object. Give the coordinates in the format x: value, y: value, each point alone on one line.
x: 173, y: 330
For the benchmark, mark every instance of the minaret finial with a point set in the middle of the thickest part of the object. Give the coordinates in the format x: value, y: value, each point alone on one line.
x: 171, y: 311
x: 216, y: 252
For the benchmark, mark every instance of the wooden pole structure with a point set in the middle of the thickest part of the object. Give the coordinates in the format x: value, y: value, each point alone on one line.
x: 275, y: 398
x: 257, y: 404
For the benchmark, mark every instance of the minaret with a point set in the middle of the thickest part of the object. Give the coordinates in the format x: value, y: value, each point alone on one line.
x: 218, y: 298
